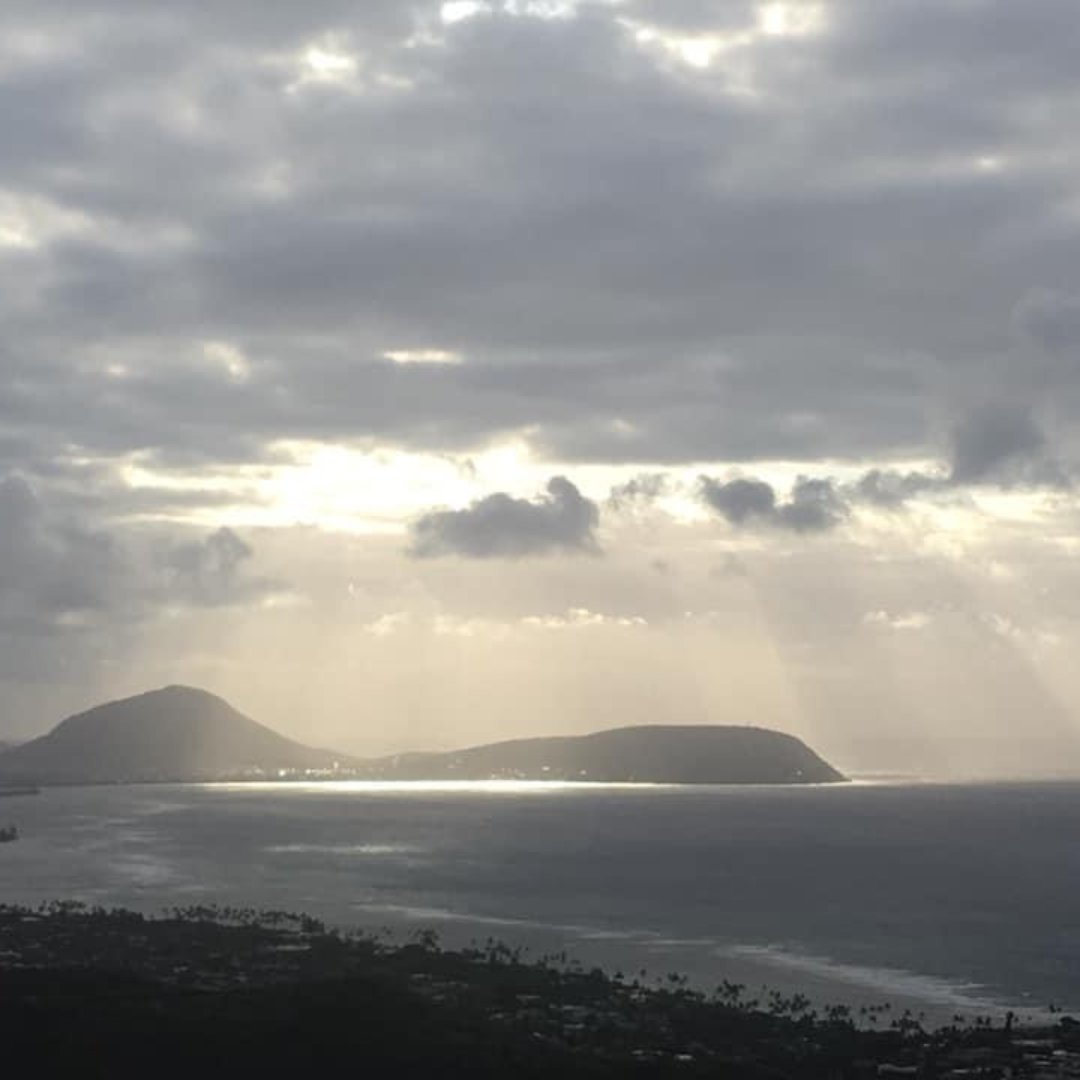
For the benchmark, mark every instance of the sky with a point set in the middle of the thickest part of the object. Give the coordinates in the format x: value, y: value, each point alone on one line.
x: 417, y: 374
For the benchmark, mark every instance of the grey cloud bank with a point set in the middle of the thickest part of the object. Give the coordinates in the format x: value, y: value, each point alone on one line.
x: 652, y: 264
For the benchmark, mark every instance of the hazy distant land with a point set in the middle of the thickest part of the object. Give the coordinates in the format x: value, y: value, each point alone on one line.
x: 657, y: 754
x: 181, y: 733
x: 178, y: 733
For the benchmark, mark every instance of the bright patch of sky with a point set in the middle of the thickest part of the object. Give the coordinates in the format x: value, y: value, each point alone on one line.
x: 702, y: 49
x: 455, y: 11
x: 231, y: 359
x: 326, y: 63
x: 796, y: 19
x: 424, y: 356
x: 30, y: 222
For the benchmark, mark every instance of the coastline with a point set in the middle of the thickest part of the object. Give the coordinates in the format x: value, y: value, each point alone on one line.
x: 873, y: 994
x: 234, y: 976
x: 362, y: 858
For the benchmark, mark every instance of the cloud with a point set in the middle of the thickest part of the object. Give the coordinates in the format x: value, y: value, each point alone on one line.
x: 902, y: 621
x: 640, y: 490
x: 61, y: 573
x: 209, y: 572
x: 1049, y: 318
x: 54, y: 572
x: 320, y: 230
x: 741, y: 499
x: 888, y: 488
x: 815, y: 505
x: 500, y: 526
x: 1003, y: 443
x: 583, y: 619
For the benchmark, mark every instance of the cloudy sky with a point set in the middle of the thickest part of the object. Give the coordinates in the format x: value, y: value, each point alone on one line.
x: 417, y: 373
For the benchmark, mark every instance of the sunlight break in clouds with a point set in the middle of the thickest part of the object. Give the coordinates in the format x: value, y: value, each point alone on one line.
x: 456, y: 10
x: 327, y: 64
x: 792, y: 19
x: 424, y: 356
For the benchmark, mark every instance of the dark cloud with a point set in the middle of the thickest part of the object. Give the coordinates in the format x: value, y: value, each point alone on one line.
x: 62, y: 574
x: 209, y: 572
x: 500, y: 526
x: 993, y: 440
x: 54, y: 572
x: 740, y: 500
x: 1051, y: 319
x: 815, y: 505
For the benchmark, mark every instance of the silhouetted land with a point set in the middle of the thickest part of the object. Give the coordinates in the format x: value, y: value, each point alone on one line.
x: 178, y: 733
x: 226, y: 992
x: 658, y: 754
x: 183, y: 734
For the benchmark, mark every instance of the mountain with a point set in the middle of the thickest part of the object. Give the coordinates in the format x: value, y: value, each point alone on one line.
x: 650, y: 754
x: 178, y: 733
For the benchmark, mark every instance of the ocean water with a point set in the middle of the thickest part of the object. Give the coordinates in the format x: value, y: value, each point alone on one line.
x: 942, y: 898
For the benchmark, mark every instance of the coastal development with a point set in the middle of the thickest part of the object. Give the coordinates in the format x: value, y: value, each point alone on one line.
x: 275, y: 990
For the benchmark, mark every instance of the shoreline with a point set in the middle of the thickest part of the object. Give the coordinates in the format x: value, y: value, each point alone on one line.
x: 195, y: 969
x: 871, y: 993
x: 132, y: 850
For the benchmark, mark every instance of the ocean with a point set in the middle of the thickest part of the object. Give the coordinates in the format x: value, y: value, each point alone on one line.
x: 945, y: 899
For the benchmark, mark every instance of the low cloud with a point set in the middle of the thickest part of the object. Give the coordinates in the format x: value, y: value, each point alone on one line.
x: 641, y: 489
x: 815, y: 505
x: 1004, y: 444
x: 890, y: 489
x: 500, y: 526
x: 740, y: 500
x: 209, y: 572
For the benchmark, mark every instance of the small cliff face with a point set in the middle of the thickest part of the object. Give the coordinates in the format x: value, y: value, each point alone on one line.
x: 178, y: 733
x: 653, y: 754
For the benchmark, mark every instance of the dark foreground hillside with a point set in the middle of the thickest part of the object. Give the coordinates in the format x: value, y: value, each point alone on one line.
x: 212, y: 993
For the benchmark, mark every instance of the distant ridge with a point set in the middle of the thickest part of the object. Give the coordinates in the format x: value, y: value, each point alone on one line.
x: 655, y: 754
x: 177, y: 733
x: 180, y: 733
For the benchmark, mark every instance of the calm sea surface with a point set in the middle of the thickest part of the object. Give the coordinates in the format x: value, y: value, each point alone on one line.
x: 945, y: 898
